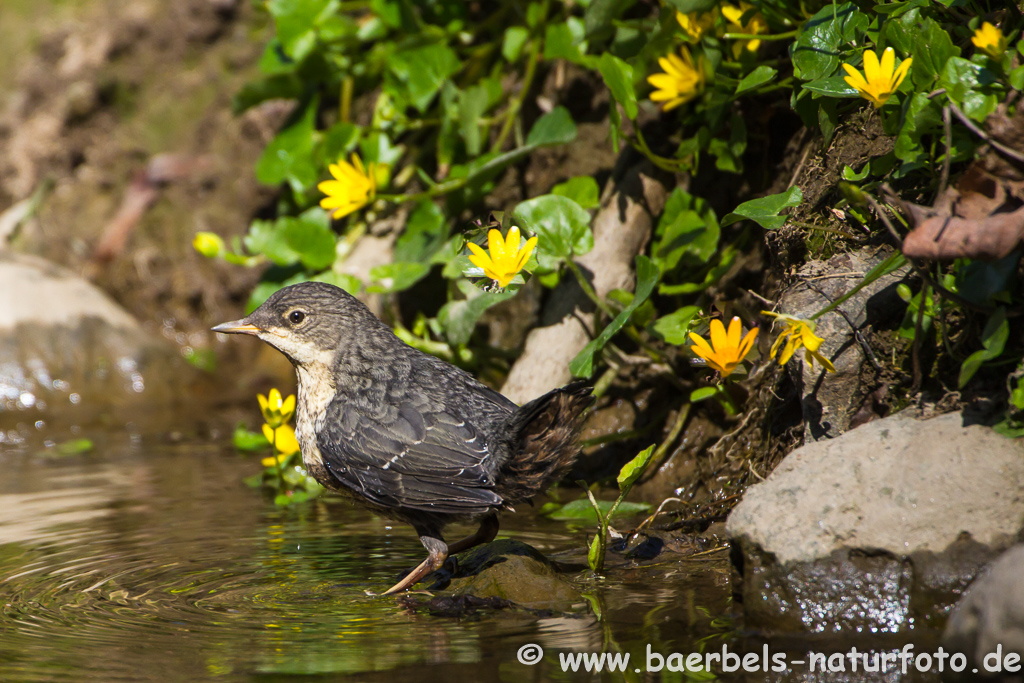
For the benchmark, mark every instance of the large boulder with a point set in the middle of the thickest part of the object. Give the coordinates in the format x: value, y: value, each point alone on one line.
x: 880, y: 529
x: 69, y: 353
x: 987, y: 624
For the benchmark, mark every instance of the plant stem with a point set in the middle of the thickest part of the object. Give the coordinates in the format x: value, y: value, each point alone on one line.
x: 517, y: 103
x: 762, y: 36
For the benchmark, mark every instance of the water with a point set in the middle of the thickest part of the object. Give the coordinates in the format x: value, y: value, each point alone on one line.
x: 153, y: 562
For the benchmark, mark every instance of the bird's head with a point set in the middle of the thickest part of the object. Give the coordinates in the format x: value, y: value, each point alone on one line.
x: 306, y: 322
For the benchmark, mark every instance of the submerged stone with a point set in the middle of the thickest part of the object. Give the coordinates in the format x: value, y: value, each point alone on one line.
x: 514, y: 571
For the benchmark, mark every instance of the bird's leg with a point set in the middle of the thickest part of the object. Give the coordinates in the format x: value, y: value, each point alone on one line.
x: 438, y: 550
x: 485, y: 534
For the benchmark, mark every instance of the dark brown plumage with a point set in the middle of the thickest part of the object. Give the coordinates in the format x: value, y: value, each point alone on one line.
x: 404, y: 433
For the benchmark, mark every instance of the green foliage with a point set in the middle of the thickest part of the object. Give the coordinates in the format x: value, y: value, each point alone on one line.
x: 628, y: 476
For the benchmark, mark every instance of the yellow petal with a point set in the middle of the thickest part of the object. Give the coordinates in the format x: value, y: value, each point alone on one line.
x: 779, y: 341
x: 701, y: 346
x: 496, y: 245
x: 288, y: 408
x: 791, y: 346
x: 855, y: 78
x: 901, y: 72
x: 268, y: 432
x: 871, y: 67
x: 479, y: 258
x: 735, y: 330
x: 512, y: 242
x: 888, y: 64
x: 264, y: 404
x: 524, y: 253
x: 719, y: 340
x: 748, y: 342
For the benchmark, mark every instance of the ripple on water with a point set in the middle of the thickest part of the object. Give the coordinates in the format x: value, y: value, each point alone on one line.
x: 157, y: 566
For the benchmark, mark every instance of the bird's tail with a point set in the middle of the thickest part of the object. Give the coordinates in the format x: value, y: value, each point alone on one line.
x: 546, y: 441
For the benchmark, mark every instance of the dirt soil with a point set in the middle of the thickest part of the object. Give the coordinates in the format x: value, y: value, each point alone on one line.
x: 119, y: 115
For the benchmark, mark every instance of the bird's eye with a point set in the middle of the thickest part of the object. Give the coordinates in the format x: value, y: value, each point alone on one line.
x: 296, y: 317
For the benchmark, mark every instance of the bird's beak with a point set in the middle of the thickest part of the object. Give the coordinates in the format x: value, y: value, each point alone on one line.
x: 242, y: 326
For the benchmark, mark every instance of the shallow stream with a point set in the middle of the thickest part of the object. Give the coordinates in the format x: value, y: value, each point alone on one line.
x: 153, y: 562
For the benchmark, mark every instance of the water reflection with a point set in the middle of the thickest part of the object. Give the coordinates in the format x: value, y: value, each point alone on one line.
x: 154, y: 563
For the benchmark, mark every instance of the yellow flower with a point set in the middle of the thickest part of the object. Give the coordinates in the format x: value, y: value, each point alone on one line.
x: 352, y: 188
x: 696, y: 24
x: 283, y: 439
x: 209, y: 244
x: 276, y: 411
x: 506, y: 258
x: 880, y: 79
x: 755, y: 25
x: 798, y: 333
x: 990, y: 40
x: 726, y: 350
x: 681, y: 81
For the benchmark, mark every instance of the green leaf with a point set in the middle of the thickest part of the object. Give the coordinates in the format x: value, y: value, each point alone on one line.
x: 289, y: 156
x: 687, y: 230
x: 647, y: 275
x: 512, y: 43
x: 932, y: 48
x: 595, y: 555
x: 836, y: 86
x: 765, y: 211
x: 74, y: 447
x: 337, y: 141
x: 310, y: 236
x: 350, y: 283
x: 993, y: 339
x: 582, y: 511
x: 962, y: 79
x: 633, y: 469
x: 565, y: 41
x: 296, y: 22
x: 703, y: 394
x: 244, y: 440
x: 267, y: 238
x: 618, y: 76
x: 554, y: 128
x: 687, y: 6
x: 816, y: 50
x: 396, y: 277
x: 582, y: 189
x: 425, y: 233
x: 599, y: 15
x: 423, y: 70
x: 675, y: 327
x: 561, y: 225
x: 473, y: 103
x: 459, y: 317
x: 757, y: 77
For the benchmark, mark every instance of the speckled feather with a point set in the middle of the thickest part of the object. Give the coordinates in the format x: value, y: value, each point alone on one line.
x: 403, y: 432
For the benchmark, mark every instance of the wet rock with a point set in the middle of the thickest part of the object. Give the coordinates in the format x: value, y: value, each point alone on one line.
x: 829, y: 400
x: 67, y: 350
x: 878, y: 530
x: 990, y: 616
x: 511, y: 570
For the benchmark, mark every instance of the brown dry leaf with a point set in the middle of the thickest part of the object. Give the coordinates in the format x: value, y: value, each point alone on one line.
x: 983, y: 216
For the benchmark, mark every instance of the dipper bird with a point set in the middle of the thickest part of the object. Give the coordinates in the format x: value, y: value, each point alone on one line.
x: 404, y: 433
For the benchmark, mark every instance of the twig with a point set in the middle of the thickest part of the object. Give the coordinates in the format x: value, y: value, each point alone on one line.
x: 856, y: 332
x: 947, y: 124
x: 916, y: 352
x: 661, y: 451
x: 970, y: 125
x: 921, y: 272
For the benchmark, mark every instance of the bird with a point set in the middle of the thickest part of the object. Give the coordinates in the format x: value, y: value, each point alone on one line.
x: 404, y: 433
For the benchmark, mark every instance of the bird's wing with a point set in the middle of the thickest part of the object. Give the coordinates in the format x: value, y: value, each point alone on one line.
x: 408, y: 457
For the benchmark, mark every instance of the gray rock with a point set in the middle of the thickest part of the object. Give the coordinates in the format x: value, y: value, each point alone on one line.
x: 990, y: 616
x: 879, y: 528
x: 514, y: 571
x: 830, y: 399
x: 67, y: 350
